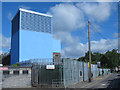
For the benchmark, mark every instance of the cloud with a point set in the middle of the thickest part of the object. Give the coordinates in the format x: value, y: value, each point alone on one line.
x: 104, y: 44
x: 107, y: 0
x: 5, y: 42
x: 96, y: 11
x: 24, y: 7
x: 66, y: 17
x: 70, y: 17
x: 115, y: 35
x: 9, y: 16
x: 74, y: 50
x: 0, y: 52
x: 66, y: 38
x: 79, y: 49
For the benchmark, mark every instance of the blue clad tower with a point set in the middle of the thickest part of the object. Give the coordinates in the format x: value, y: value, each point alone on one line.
x: 32, y: 37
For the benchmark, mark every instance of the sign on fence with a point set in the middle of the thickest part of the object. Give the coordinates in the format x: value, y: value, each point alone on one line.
x: 99, y: 64
x: 50, y: 66
x: 88, y: 64
x: 3, y: 68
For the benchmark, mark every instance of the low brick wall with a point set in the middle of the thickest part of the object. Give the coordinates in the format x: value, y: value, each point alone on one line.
x: 16, y: 77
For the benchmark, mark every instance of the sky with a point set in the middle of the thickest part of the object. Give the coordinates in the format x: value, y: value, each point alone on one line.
x: 70, y: 25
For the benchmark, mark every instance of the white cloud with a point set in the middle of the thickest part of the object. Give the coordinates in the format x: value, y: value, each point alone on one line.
x: 79, y: 49
x: 66, y: 17
x: 104, y: 44
x: 96, y: 11
x: 74, y: 51
x: 107, y: 0
x: 115, y: 35
x: 73, y: 47
x: 9, y: 16
x: 0, y: 52
x: 69, y: 17
x: 66, y: 38
x: 5, y: 42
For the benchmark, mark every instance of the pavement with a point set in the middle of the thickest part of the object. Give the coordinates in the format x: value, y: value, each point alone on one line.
x: 108, y: 81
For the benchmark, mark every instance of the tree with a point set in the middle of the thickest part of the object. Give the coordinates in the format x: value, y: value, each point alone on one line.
x: 113, y: 58
x: 104, y: 61
x: 108, y: 60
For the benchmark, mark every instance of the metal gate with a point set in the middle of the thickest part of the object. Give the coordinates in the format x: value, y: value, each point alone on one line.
x: 47, y: 78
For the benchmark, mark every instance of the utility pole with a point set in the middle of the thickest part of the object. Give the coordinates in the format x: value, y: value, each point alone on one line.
x: 89, y: 52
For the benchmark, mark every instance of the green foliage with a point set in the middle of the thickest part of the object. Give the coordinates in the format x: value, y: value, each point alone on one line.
x: 108, y: 60
x: 15, y: 64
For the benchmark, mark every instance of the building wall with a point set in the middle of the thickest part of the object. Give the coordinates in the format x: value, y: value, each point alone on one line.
x: 35, y: 45
x: 35, y: 22
x: 15, y: 23
x: 56, y: 46
x: 15, y: 39
x: 15, y: 48
x: 32, y: 37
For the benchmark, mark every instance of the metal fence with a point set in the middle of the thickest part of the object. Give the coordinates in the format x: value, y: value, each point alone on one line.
x: 41, y: 61
x: 42, y: 77
x: 76, y: 71
x: 67, y: 72
x: 73, y: 72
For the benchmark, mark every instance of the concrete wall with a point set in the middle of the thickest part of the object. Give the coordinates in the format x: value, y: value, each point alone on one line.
x: 20, y: 80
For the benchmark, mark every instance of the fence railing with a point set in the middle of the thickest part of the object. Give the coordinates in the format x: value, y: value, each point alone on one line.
x: 67, y: 72
x: 41, y: 61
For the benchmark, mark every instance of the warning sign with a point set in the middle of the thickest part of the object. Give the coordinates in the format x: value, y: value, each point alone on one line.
x: 50, y: 67
x: 88, y: 64
x: 3, y: 68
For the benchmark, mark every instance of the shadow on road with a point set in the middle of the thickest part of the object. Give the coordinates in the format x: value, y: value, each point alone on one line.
x: 115, y: 83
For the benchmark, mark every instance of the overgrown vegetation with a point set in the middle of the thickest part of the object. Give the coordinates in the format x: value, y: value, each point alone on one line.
x: 15, y: 64
x: 108, y: 60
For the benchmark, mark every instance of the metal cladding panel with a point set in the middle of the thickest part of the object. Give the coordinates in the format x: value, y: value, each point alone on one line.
x: 15, y: 39
x: 56, y: 46
x: 35, y: 22
x: 15, y: 23
x: 35, y: 45
x: 15, y: 48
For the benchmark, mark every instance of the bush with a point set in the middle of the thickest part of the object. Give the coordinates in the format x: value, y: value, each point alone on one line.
x: 15, y: 64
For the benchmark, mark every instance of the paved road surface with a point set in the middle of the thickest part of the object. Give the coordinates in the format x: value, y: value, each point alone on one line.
x: 108, y: 81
